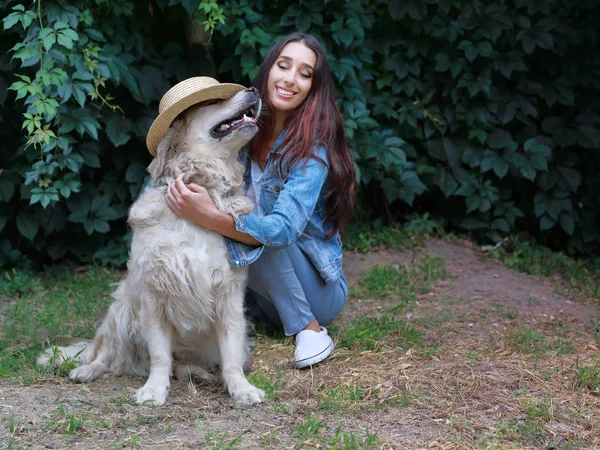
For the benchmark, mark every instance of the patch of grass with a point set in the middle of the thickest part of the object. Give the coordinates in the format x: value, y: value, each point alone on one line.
x: 403, y: 399
x: 309, y: 428
x: 14, y: 283
x: 413, y: 233
x: 270, y: 437
x: 315, y: 434
x: 121, y: 400
x: 372, y: 333
x: 382, y: 281
x: 508, y: 313
x: 398, y: 280
x: 351, y: 441
x: 33, y: 308
x: 585, y: 377
x: 577, y: 276
x: 339, y: 398
x: 594, y: 327
x: 217, y: 440
x: 526, y: 341
x: 133, y: 440
x: 67, y: 422
x: 146, y: 420
x: 13, y: 426
x: 267, y: 380
x: 531, y: 342
x: 365, y: 240
x: 530, y: 427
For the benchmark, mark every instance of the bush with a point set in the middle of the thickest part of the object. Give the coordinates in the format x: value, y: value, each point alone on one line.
x: 481, y: 115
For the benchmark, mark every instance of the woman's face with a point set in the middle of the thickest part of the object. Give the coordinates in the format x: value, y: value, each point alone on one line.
x: 290, y: 78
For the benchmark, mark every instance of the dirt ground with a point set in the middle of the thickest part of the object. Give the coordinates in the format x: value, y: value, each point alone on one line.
x: 461, y: 395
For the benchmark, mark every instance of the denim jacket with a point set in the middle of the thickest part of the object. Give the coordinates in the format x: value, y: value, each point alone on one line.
x: 295, y: 211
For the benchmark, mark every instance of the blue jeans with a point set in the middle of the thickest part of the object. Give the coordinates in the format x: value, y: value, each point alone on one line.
x: 285, y: 290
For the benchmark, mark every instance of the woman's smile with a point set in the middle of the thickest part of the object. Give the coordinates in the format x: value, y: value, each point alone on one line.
x: 290, y: 78
x: 285, y: 93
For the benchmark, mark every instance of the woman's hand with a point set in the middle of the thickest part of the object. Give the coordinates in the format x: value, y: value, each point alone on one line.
x: 192, y: 202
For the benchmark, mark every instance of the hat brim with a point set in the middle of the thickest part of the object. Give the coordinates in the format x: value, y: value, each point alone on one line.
x: 159, y: 128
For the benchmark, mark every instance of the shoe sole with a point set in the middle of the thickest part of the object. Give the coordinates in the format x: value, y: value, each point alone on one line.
x: 311, y: 361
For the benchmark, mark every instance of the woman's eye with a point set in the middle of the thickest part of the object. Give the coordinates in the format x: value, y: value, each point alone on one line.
x: 306, y: 75
x: 281, y: 66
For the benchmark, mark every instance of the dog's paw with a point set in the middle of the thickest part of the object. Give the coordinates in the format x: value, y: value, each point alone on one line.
x: 248, y: 396
x: 152, y: 395
x: 85, y: 374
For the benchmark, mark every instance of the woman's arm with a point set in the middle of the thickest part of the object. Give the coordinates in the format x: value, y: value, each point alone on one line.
x: 192, y: 202
x: 295, y: 204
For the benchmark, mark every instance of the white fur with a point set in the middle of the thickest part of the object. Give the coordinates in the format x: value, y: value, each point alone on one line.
x: 180, y: 301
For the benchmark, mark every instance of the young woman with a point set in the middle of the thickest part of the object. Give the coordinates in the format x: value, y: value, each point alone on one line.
x: 300, y: 176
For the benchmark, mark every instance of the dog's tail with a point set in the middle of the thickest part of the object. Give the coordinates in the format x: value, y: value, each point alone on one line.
x: 73, y: 354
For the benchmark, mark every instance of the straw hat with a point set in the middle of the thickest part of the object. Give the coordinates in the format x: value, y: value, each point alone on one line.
x: 180, y: 97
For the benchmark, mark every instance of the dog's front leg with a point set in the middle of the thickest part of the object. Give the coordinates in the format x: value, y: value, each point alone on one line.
x: 231, y: 350
x: 159, y: 337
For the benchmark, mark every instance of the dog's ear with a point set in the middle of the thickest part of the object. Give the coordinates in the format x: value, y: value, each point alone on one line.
x: 166, y: 147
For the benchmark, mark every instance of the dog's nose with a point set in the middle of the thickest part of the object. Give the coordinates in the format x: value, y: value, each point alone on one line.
x: 252, y: 89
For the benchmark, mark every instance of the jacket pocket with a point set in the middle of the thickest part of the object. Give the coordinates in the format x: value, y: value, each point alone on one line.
x: 271, y: 189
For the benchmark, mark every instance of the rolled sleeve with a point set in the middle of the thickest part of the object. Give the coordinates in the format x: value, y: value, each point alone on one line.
x: 241, y: 254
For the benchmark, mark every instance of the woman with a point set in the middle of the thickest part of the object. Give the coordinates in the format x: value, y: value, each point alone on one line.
x: 300, y: 176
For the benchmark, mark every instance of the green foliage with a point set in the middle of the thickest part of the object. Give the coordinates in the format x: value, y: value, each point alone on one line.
x: 579, y: 278
x: 370, y: 333
x: 452, y: 108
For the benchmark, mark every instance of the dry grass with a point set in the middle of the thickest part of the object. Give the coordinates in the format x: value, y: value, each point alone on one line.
x: 424, y: 363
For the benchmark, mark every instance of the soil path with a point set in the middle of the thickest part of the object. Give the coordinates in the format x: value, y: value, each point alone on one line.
x: 476, y: 286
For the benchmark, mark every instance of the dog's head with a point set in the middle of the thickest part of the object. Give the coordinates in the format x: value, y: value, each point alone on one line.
x: 215, y: 129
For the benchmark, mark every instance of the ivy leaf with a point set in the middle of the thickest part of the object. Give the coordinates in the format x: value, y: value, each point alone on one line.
x: 7, y: 190
x: 191, y: 6
x: 135, y: 172
x: 447, y: 183
x: 572, y: 176
x: 65, y: 35
x: 303, y: 22
x: 546, y: 223
x: 500, y: 167
x: 470, y: 50
x: 25, y: 87
x: 484, y: 48
x: 48, y: 38
x: 346, y: 36
x: 414, y: 8
x: 27, y: 224
x: 501, y: 224
x: 118, y: 130
x: 89, y: 154
x: 499, y: 139
x: 44, y: 196
x: 28, y: 54
x: 19, y: 15
x: 481, y: 135
x: 567, y: 222
x: 67, y: 185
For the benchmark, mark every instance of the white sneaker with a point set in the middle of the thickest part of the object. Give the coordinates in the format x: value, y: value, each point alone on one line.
x: 312, y: 347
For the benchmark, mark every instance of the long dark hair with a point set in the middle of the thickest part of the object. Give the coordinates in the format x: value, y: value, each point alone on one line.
x: 316, y: 121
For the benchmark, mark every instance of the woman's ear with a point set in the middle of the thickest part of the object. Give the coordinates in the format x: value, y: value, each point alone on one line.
x: 164, y: 150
